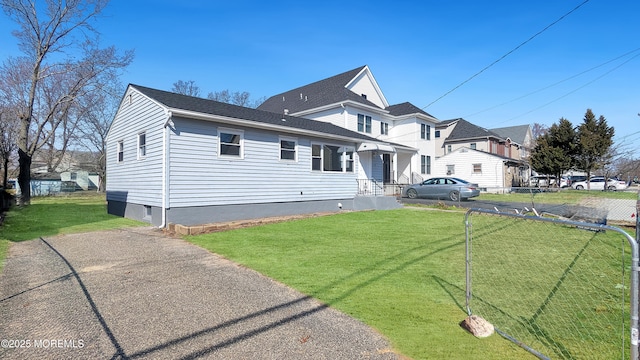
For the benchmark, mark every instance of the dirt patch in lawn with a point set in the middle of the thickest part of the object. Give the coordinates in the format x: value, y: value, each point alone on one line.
x: 180, y: 230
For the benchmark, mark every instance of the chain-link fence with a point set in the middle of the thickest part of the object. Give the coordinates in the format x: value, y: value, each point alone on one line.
x: 560, y: 289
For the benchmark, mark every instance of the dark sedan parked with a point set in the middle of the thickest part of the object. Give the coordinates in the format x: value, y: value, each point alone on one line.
x: 450, y: 188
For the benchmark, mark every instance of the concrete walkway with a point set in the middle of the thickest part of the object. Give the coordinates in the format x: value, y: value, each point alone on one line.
x: 134, y: 294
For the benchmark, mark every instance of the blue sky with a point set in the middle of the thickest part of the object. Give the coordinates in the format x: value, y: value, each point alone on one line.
x: 417, y: 51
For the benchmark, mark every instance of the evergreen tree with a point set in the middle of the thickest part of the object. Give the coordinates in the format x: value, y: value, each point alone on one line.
x: 555, y: 150
x: 594, y: 141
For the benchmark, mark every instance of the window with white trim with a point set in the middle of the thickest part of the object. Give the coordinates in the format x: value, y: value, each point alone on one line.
x: 451, y: 169
x: 437, y: 134
x: 384, y: 128
x: 120, y: 151
x: 332, y: 158
x: 142, y: 145
x: 230, y: 143
x: 477, y: 168
x: 316, y: 157
x: 472, y: 146
x: 425, y: 131
x: 288, y: 149
x: 348, y: 159
x: 425, y: 164
x: 364, y: 123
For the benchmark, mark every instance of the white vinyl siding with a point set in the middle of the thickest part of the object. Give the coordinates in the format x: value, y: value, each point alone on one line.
x: 131, y: 180
x: 492, y: 166
x: 199, y: 178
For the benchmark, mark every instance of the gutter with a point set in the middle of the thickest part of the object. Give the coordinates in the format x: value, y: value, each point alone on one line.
x: 165, y: 167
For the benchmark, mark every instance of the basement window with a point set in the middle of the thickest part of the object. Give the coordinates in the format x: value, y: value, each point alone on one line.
x: 147, y: 212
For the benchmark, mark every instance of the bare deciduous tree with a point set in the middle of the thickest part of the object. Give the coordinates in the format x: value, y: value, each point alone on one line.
x: 7, y: 141
x: 186, y: 88
x: 101, y: 107
x: 44, y: 86
x: 236, y: 98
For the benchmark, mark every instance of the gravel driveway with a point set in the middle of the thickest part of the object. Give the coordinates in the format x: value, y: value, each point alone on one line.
x: 134, y: 293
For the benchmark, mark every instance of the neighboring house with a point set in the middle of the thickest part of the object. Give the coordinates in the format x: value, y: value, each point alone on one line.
x: 84, y: 179
x: 459, y: 133
x: 492, y: 172
x: 353, y: 100
x: 509, y: 143
x: 44, y: 184
x: 521, y: 139
x: 174, y: 158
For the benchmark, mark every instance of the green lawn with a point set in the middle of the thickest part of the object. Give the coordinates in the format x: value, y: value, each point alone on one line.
x: 564, y: 196
x: 400, y: 271
x: 49, y: 216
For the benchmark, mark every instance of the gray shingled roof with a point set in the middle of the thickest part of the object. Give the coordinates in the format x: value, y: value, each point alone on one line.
x: 320, y: 93
x: 211, y: 107
x: 516, y: 133
x: 406, y: 108
x: 467, y: 130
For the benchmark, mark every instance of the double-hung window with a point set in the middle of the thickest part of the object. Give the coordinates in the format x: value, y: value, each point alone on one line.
x: 364, y: 123
x: 120, y: 151
x: 142, y: 145
x: 288, y: 149
x: 384, y: 128
x: 316, y: 157
x: 425, y: 131
x: 425, y: 164
x: 230, y: 143
x: 348, y: 159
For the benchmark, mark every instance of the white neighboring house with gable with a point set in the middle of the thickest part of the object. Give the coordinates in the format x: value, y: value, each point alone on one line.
x: 174, y: 158
x: 492, y: 173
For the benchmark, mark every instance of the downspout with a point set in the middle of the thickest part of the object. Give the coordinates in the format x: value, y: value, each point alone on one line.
x: 165, y: 167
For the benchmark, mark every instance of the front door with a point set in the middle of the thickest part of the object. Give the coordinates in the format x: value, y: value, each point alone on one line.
x: 386, y: 168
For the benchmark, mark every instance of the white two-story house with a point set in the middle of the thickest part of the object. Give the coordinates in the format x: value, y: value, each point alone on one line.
x: 354, y: 100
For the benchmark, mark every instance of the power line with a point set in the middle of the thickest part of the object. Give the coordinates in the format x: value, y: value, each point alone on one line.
x: 505, y: 55
x: 554, y: 84
x: 575, y: 90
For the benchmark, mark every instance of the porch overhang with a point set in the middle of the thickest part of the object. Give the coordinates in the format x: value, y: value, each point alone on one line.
x: 376, y: 147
